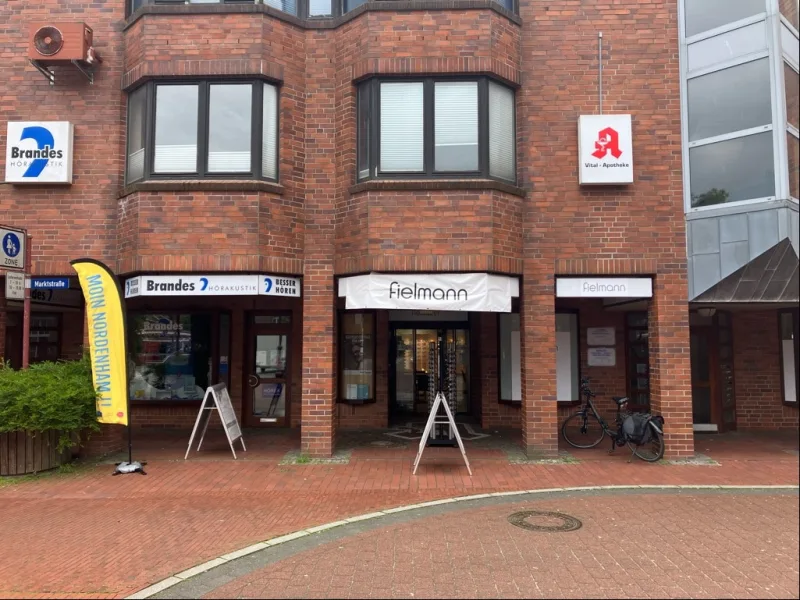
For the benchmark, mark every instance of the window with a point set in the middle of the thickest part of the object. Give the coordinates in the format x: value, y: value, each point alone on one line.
x: 638, y: 363
x: 200, y: 129
x: 703, y: 15
x: 791, y: 10
x: 171, y: 356
x: 567, y: 357
x: 436, y: 128
x: 510, y: 358
x: 45, y: 339
x: 789, y: 352
x: 791, y: 82
x: 357, y: 357
x: 737, y: 169
x: 729, y: 100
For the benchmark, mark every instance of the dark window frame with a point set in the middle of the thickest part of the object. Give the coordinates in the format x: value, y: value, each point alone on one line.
x: 634, y: 405
x: 795, y: 315
x: 429, y: 123
x: 338, y: 7
x: 340, y: 362
x: 203, y: 115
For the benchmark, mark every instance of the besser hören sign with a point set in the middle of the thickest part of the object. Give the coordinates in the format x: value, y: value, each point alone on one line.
x: 605, y: 149
x: 212, y: 285
x: 39, y: 152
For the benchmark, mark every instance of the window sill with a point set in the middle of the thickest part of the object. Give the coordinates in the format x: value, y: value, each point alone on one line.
x: 436, y: 184
x: 356, y: 402
x: 319, y: 22
x: 517, y: 403
x: 202, y: 185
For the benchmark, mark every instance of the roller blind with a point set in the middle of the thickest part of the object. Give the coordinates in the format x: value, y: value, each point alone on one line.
x: 269, y: 139
x: 402, y: 127
x: 501, y: 132
x: 176, y: 129
x: 456, y: 126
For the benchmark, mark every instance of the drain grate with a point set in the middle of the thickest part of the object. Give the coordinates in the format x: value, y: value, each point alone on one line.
x: 544, y: 521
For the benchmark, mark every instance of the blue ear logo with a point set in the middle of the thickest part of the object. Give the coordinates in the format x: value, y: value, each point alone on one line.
x: 204, y: 281
x: 267, y: 285
x: 44, y: 139
x: 128, y: 287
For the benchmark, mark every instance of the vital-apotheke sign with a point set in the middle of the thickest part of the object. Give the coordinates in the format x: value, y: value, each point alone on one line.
x: 604, y: 287
x: 605, y: 149
x: 212, y: 285
x: 430, y: 291
x: 39, y: 152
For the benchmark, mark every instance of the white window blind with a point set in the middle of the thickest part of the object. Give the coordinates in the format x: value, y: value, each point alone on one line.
x: 269, y: 134
x: 319, y: 8
x: 402, y: 127
x: 456, y: 126
x: 501, y: 132
x: 288, y: 6
x: 230, y: 118
x: 176, y: 129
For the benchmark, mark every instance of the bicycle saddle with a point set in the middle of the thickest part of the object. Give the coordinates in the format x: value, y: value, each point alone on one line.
x: 620, y: 400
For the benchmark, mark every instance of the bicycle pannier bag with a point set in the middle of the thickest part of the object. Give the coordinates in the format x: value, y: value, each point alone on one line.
x: 637, y: 430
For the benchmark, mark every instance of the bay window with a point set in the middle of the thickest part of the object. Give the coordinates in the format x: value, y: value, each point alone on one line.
x: 202, y: 129
x: 436, y: 127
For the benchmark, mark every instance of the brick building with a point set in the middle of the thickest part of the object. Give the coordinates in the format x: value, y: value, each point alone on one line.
x: 339, y: 207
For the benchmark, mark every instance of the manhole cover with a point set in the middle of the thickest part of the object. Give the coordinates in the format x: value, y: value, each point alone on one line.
x: 537, y: 520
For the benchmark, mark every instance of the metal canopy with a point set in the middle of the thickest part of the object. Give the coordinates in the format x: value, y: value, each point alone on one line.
x: 771, y: 277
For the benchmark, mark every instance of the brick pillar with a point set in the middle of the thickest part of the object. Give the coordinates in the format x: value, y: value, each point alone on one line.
x: 538, y: 338
x: 317, y: 427
x: 670, y: 366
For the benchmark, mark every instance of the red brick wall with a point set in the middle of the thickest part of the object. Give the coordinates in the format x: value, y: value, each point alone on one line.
x: 757, y: 373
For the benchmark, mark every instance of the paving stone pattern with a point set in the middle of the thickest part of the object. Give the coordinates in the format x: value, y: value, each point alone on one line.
x: 654, y: 546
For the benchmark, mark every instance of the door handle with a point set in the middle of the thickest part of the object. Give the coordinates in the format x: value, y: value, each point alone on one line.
x: 253, y: 381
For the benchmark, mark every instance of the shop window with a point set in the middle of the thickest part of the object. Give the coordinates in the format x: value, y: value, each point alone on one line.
x: 45, y: 337
x: 789, y: 353
x: 202, y: 129
x: 357, y: 357
x: 170, y: 356
x: 704, y: 15
x: 638, y: 363
x: 567, y: 357
x: 510, y: 358
x: 436, y: 128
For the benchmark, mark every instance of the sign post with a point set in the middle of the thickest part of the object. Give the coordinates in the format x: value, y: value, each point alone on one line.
x: 26, y: 308
x: 15, y: 256
x: 220, y: 401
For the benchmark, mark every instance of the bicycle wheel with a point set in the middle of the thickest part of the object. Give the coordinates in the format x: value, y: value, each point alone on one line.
x: 583, y: 431
x: 653, y: 450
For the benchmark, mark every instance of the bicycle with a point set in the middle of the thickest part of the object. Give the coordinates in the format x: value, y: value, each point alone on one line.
x: 637, y: 433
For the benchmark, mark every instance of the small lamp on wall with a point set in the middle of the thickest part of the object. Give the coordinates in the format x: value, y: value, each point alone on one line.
x: 706, y: 312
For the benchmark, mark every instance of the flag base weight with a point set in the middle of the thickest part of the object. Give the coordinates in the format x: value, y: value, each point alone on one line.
x: 124, y: 468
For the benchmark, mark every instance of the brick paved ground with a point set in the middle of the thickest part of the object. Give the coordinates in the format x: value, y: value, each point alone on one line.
x: 90, y: 533
x: 632, y: 546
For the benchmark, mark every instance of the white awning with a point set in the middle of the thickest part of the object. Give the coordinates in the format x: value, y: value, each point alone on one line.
x: 479, y: 292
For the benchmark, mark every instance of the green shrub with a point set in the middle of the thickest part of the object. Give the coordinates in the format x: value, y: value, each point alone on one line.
x: 49, y: 396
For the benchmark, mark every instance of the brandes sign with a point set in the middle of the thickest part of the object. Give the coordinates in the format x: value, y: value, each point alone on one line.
x: 605, y: 148
x: 39, y: 152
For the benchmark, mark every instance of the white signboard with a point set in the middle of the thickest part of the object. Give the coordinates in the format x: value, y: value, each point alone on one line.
x: 15, y: 286
x: 605, y: 149
x: 39, y: 152
x: 12, y: 249
x: 217, y: 399
x: 600, y: 336
x: 212, y: 285
x: 602, y: 357
x: 604, y: 287
x: 430, y: 291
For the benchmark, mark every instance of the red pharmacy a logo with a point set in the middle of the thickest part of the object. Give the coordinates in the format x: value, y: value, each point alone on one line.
x: 607, y: 141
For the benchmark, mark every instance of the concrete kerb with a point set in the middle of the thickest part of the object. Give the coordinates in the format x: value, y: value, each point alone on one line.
x: 248, y: 552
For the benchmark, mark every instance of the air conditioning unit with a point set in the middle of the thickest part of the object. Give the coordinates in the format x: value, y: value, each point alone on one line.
x: 57, y: 43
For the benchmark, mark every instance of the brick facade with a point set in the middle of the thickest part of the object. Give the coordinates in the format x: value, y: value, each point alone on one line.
x: 317, y: 223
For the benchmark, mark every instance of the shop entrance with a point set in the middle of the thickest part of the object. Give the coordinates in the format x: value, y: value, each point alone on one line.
x: 425, y: 359
x: 267, y: 371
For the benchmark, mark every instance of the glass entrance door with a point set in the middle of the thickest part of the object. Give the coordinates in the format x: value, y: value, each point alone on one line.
x: 268, y: 380
x: 426, y: 361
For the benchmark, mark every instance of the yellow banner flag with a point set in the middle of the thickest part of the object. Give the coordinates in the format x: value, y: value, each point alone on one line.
x: 106, y: 339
